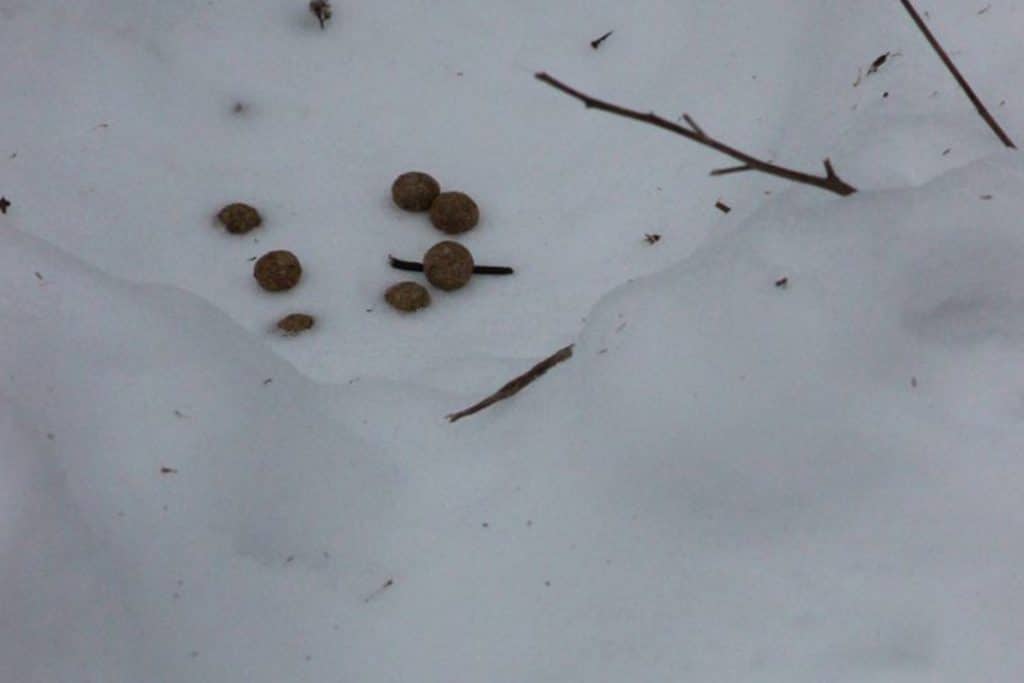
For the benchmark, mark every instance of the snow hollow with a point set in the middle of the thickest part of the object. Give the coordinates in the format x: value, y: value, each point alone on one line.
x: 787, y: 446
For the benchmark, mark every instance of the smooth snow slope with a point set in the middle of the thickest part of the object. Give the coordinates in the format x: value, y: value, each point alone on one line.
x: 729, y: 481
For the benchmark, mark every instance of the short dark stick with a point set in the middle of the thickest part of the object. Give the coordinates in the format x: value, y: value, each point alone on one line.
x: 399, y: 264
x: 982, y: 110
x: 830, y: 181
x: 493, y: 270
x: 417, y: 267
x: 518, y: 384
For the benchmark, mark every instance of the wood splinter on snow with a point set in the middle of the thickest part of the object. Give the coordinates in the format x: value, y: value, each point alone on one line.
x: 516, y: 385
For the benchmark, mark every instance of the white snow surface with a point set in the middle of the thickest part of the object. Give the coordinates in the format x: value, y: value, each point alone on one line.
x: 730, y: 480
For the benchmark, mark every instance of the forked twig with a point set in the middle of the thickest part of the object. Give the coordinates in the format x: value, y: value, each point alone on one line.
x: 982, y: 110
x: 830, y: 181
x: 518, y: 384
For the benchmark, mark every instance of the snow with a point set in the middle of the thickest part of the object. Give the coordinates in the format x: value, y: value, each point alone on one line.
x: 731, y: 479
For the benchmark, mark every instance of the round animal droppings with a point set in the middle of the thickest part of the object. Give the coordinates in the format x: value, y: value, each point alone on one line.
x: 448, y: 265
x: 414, y: 191
x: 454, y: 212
x: 239, y: 218
x: 408, y: 296
x: 277, y: 271
x: 293, y: 323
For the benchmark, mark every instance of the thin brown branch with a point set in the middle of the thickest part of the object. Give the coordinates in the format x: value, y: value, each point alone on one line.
x: 982, y: 110
x: 516, y: 385
x: 831, y: 183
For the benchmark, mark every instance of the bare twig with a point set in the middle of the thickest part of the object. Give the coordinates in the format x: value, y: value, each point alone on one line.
x: 982, y: 110
x: 830, y: 182
x: 518, y: 384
